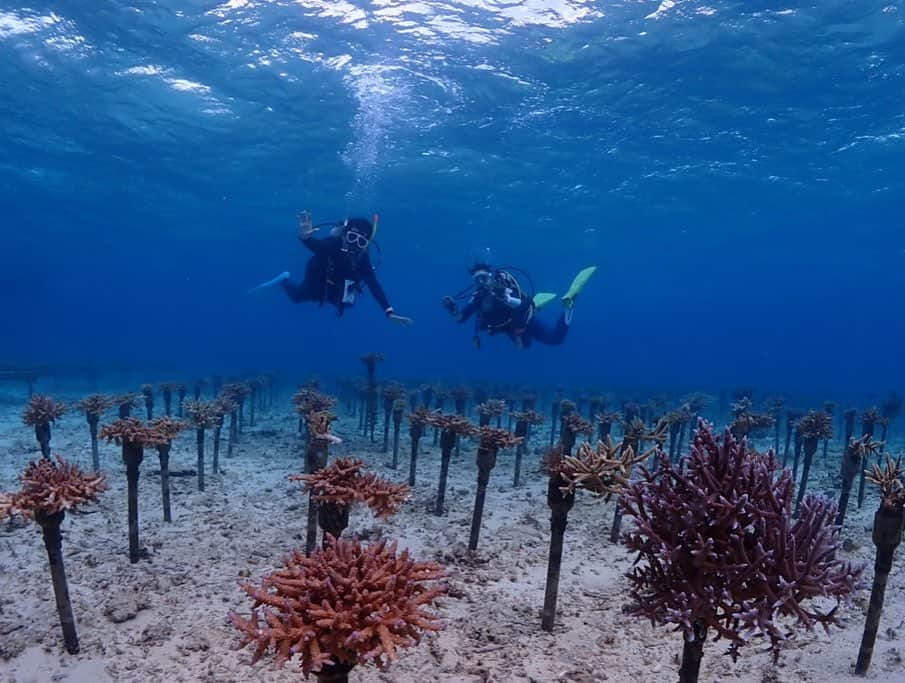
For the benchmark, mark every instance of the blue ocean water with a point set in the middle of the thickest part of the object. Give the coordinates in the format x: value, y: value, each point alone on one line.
x: 734, y: 168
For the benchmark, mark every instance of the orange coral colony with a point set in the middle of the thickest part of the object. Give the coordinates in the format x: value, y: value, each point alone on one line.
x: 345, y: 605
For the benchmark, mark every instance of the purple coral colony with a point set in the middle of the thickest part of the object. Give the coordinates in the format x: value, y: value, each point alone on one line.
x: 743, y: 534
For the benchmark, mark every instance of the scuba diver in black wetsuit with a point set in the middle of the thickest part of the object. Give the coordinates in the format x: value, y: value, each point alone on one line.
x: 338, y: 268
x: 500, y: 304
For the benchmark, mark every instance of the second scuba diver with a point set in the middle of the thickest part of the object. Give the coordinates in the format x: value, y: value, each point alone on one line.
x: 500, y: 305
x: 338, y: 267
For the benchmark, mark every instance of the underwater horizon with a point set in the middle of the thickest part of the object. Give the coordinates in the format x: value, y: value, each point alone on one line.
x: 735, y: 169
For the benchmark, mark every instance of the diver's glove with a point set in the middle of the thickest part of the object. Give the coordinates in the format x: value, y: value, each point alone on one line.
x: 450, y: 305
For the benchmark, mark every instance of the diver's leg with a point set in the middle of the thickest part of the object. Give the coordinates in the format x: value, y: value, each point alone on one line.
x: 539, y: 331
x: 298, y: 292
x: 282, y: 277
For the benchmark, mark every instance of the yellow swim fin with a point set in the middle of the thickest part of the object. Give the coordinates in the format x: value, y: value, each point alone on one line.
x: 541, y: 299
x: 578, y: 284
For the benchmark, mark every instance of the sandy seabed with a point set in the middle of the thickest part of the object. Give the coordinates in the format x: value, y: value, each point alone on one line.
x: 164, y: 619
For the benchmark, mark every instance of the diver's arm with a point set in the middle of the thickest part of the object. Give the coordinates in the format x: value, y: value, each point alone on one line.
x: 370, y: 279
x: 319, y: 246
x: 469, y: 310
x: 306, y: 234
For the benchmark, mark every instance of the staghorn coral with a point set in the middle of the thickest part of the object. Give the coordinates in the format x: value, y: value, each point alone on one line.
x: 457, y: 424
x: 161, y: 433
x: 125, y: 403
x: 419, y: 419
x: 421, y: 416
x: 399, y: 406
x: 529, y: 417
x: 133, y: 435
x: 147, y: 392
x: 495, y: 439
x: 345, y: 605
x: 742, y: 406
x: 577, y: 425
x: 524, y: 420
x: 319, y: 426
x: 887, y: 535
x: 94, y: 406
x: 718, y: 549
x: 603, y: 470
x: 605, y: 421
x: 490, y: 441
x: 889, y: 480
x: 817, y: 424
x: 42, y: 409
x: 128, y: 430
x: 854, y: 460
x: 493, y: 408
x: 49, y: 488
x: 309, y: 401
x: 225, y: 406
x: 637, y: 431
x: 163, y: 429
x: 201, y: 414
x: 167, y: 389
x: 813, y: 427
x: 344, y: 483
x: 391, y: 393
x: 450, y: 427
x: 750, y: 423
x: 39, y: 413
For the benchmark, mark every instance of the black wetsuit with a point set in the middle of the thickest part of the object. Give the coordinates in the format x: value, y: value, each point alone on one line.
x: 520, y: 322
x: 335, y: 276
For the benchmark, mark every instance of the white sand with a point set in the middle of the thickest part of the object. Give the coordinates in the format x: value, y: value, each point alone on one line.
x: 171, y: 610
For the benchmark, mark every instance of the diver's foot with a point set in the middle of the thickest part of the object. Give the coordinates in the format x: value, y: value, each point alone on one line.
x: 282, y: 277
x: 578, y: 284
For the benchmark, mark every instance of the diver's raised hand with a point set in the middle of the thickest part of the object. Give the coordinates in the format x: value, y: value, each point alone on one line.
x: 450, y: 305
x: 306, y: 229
